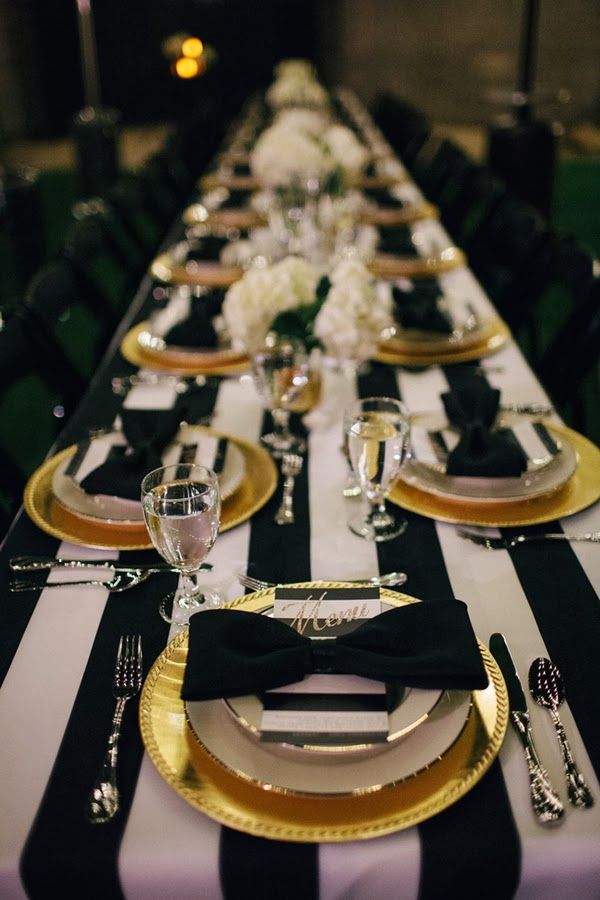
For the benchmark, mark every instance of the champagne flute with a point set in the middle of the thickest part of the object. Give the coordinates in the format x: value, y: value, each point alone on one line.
x: 281, y: 373
x: 182, y: 511
x: 378, y: 431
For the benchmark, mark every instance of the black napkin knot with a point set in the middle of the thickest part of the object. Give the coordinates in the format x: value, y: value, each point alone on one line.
x: 419, y: 308
x: 197, y: 329
x: 480, y: 452
x: 323, y: 654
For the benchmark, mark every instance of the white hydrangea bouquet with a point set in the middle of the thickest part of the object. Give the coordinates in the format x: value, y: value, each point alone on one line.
x: 295, y: 84
x: 342, y: 312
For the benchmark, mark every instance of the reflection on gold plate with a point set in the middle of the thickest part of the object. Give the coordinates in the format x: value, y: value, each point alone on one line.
x: 580, y: 491
x: 383, y: 215
x: 221, y: 362
x: 381, y: 180
x: 496, y: 339
x: 241, y: 217
x: 207, y: 785
x: 387, y: 266
x: 198, y: 272
x: 55, y: 519
x: 428, y: 342
x: 229, y: 180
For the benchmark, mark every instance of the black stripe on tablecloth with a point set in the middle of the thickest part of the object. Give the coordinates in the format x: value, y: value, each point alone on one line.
x: 65, y: 855
x: 567, y: 613
x: 254, y: 866
x: 485, y: 846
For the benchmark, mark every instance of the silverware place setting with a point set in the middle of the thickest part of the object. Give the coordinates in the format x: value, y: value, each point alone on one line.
x: 121, y: 581
x: 547, y: 688
x: 389, y: 579
x: 291, y: 466
x: 501, y: 543
x: 103, y: 802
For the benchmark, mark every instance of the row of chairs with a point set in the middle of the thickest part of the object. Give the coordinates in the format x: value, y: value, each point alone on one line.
x: 56, y: 337
x: 545, y: 285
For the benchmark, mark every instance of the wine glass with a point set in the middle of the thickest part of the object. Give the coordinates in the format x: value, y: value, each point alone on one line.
x: 281, y: 372
x: 182, y: 511
x: 378, y: 431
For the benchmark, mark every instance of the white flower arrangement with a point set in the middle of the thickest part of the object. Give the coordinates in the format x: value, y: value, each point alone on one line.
x: 297, y: 90
x: 298, y: 147
x: 252, y: 303
x: 354, y: 314
x: 294, y: 68
x: 343, y: 312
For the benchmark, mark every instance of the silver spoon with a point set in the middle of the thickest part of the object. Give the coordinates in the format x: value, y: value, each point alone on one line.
x: 548, y: 689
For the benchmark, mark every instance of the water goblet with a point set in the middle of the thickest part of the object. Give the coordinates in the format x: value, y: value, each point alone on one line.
x: 281, y: 371
x: 378, y: 432
x: 182, y: 511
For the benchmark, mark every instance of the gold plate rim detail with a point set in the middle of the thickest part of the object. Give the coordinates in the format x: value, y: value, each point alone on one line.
x: 388, y: 267
x: 581, y: 490
x: 132, y: 351
x: 210, y: 273
x: 222, y: 796
x: 494, y: 342
x: 257, y: 487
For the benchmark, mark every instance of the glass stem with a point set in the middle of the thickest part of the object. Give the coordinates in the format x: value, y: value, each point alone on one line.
x: 189, y: 588
x: 281, y: 420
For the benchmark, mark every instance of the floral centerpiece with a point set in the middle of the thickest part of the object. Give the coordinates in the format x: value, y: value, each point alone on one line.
x: 342, y: 312
x: 295, y: 84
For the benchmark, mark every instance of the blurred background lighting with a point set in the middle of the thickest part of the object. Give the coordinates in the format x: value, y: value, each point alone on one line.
x: 192, y: 47
x: 186, y: 68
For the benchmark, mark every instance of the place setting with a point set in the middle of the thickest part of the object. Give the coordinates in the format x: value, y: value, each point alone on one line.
x: 475, y: 463
x: 307, y: 748
x: 89, y: 493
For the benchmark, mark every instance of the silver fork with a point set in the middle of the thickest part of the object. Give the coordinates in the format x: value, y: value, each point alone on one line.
x: 103, y: 802
x: 291, y: 466
x: 500, y: 543
x: 387, y: 580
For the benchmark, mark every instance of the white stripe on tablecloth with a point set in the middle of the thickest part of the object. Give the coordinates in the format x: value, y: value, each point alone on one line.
x: 497, y: 602
x: 37, y: 700
x: 166, y: 841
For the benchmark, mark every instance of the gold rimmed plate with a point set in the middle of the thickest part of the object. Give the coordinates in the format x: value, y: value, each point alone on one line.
x: 138, y: 349
x: 580, y: 491
x: 496, y: 338
x: 210, y: 273
x: 241, y: 218
x: 233, y: 800
x: 398, y: 215
x: 49, y: 514
x: 386, y: 266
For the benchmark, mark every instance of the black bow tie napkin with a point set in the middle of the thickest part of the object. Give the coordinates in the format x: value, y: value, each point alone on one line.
x: 207, y: 248
x: 419, y: 307
x: 148, y: 433
x: 427, y: 645
x: 197, y: 329
x: 396, y: 241
x: 480, y: 451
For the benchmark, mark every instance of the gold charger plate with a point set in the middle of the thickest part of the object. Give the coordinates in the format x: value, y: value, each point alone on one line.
x: 387, y: 266
x: 227, y: 362
x: 55, y: 519
x: 204, y: 783
x: 580, y: 491
x: 241, y: 217
x: 383, y: 215
x: 203, y: 273
x: 496, y: 338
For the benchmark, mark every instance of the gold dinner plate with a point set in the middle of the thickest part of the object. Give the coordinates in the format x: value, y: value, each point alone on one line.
x: 207, y: 273
x: 384, y: 265
x: 234, y: 217
x: 51, y: 516
x: 580, y: 491
x: 180, y: 362
x: 251, y: 183
x: 494, y: 340
x: 231, y: 800
x: 384, y: 215
x: 419, y: 342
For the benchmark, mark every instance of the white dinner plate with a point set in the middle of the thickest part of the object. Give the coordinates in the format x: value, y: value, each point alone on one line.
x: 119, y: 509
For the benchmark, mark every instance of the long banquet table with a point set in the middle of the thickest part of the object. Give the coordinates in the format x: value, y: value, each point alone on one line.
x: 57, y: 655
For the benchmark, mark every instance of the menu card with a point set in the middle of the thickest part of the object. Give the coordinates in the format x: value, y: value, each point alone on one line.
x: 326, y: 709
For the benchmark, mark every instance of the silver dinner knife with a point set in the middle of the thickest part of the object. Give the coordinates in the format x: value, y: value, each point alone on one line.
x: 544, y: 799
x: 44, y: 563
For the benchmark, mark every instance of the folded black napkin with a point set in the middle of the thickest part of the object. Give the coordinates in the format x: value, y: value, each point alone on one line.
x: 147, y: 432
x: 419, y: 307
x: 480, y: 451
x: 235, y: 200
x: 429, y: 645
x: 207, y: 248
x: 197, y: 330
x: 383, y: 198
x: 397, y: 241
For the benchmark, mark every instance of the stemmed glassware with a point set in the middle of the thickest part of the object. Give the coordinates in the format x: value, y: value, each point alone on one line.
x: 182, y: 511
x: 377, y: 430
x: 281, y: 371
